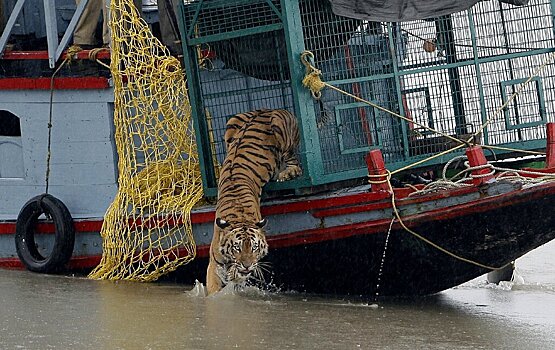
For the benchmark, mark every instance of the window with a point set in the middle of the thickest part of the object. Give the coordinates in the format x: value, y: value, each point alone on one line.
x: 11, y: 152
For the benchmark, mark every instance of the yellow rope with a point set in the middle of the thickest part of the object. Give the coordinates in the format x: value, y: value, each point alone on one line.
x: 94, y: 53
x: 314, y: 83
x: 147, y: 230
x: 424, y: 239
x: 512, y: 149
x: 538, y: 70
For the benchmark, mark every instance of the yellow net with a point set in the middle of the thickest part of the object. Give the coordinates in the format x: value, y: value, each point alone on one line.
x: 147, y: 229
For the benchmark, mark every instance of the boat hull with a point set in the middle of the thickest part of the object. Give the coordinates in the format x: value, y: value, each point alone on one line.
x: 351, y: 260
x: 337, y: 244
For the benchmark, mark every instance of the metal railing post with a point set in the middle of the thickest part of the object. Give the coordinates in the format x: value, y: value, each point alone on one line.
x: 9, y: 26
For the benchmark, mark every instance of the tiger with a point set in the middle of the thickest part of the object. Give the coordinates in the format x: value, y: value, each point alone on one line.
x: 261, y: 145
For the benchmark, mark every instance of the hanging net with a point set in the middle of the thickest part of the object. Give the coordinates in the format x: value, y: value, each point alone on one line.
x: 147, y: 229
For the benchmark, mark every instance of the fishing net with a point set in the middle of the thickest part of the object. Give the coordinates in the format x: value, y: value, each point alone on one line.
x: 147, y: 229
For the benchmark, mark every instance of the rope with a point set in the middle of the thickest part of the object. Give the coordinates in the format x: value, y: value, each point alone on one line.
x: 69, y: 57
x: 507, y: 174
x: 538, y: 70
x: 424, y: 239
x: 512, y: 149
x: 314, y: 83
x: 71, y: 52
x: 93, y: 54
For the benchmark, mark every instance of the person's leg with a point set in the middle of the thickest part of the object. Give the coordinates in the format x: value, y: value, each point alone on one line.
x: 169, y: 28
x: 86, y: 27
x: 106, y: 27
x: 105, y: 23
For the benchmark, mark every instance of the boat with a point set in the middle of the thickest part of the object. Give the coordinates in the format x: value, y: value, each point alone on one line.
x: 416, y: 141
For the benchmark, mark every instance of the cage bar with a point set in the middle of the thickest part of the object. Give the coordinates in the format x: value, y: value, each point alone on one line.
x: 450, y: 73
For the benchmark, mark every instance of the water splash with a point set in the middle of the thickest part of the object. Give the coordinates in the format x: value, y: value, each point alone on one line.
x: 199, y: 290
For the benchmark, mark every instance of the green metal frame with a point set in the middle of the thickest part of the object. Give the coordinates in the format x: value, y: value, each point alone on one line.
x: 429, y: 111
x: 541, y: 103
x: 337, y: 112
x: 304, y: 105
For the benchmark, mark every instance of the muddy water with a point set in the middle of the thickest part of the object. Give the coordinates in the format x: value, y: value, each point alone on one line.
x: 60, y: 312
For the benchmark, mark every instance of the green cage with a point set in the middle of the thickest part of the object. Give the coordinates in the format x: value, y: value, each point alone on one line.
x: 450, y: 73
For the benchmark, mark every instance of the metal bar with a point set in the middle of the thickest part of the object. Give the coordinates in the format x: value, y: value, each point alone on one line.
x: 51, y: 30
x: 197, y: 112
x: 444, y: 27
x: 488, y: 59
x: 282, y: 75
x: 510, y: 64
x: 553, y: 16
x: 273, y: 7
x: 241, y: 92
x: 235, y: 34
x: 311, y: 155
x: 392, y: 166
x: 483, y: 112
x: 429, y: 111
x: 473, y: 61
x: 395, y: 61
x: 71, y: 28
x: 214, y: 4
x: 195, y: 18
x: 541, y: 104
x: 9, y: 26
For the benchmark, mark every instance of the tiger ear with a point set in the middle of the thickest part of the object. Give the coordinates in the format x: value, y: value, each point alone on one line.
x: 262, y: 223
x: 222, y: 223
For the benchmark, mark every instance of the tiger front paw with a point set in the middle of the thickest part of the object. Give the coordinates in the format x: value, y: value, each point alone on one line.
x: 289, y: 173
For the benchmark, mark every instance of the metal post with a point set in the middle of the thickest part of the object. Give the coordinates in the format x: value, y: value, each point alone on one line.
x: 550, y: 149
x: 395, y: 40
x: 303, y: 103
x: 51, y: 30
x: 55, y: 50
x: 9, y: 26
x: 483, y: 112
x: 376, y: 166
x: 198, y: 113
x: 70, y: 29
x: 476, y: 157
x: 444, y: 27
x: 511, y: 70
x: 1, y: 16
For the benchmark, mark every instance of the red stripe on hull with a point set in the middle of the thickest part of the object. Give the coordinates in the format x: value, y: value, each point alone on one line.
x: 8, y: 228
x: 344, y: 231
x: 76, y: 263
x: 59, y: 83
x: 43, y: 55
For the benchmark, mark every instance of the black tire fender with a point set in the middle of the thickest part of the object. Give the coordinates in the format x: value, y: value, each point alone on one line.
x: 64, y: 237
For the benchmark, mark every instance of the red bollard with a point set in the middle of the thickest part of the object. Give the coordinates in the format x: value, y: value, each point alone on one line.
x: 376, y: 166
x: 476, y: 157
x: 550, y: 148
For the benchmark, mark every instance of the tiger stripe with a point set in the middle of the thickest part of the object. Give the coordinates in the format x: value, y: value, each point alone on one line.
x: 261, y: 145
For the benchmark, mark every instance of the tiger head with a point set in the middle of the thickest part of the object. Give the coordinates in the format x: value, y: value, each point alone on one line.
x: 241, y: 247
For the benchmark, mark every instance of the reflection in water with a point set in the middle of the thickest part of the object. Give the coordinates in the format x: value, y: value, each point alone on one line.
x: 40, y: 312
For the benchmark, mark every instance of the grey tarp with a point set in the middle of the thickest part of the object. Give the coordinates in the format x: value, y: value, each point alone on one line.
x: 398, y: 10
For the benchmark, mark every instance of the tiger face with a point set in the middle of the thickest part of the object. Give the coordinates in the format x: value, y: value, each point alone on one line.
x: 240, y: 250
